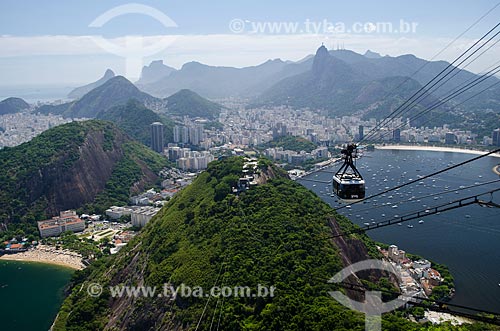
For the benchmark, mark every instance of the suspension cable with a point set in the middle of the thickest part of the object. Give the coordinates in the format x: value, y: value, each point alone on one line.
x: 422, y: 178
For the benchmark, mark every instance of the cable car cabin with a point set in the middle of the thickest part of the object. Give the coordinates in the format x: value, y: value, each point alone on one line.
x: 349, y: 187
x: 348, y: 184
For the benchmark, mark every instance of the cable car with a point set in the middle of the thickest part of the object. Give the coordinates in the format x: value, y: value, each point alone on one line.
x: 348, y: 184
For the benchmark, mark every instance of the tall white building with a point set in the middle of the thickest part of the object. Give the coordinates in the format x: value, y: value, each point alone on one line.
x: 140, y: 217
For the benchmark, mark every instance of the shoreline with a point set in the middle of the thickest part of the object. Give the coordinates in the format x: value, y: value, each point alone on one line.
x: 12, y: 258
x: 434, y: 149
x: 46, y: 256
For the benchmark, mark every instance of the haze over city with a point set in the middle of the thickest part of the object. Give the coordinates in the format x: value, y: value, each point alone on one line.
x: 228, y: 165
x: 40, y: 45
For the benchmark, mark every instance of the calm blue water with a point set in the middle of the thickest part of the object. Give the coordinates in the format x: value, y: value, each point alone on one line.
x: 32, y: 94
x: 30, y: 294
x: 467, y: 239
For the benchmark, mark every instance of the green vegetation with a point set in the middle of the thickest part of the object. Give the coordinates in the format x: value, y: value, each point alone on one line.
x: 69, y: 240
x: 214, y: 125
x: 12, y: 105
x: 128, y: 171
x: 443, y: 291
x: 482, y: 122
x: 116, y: 91
x: 188, y: 103
x: 32, y: 172
x: 20, y: 165
x: 135, y: 120
x: 309, y: 164
x: 276, y: 234
x: 291, y: 143
x: 19, y: 232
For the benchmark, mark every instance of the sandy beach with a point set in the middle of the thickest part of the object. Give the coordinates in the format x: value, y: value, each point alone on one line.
x: 48, y: 254
x: 434, y: 149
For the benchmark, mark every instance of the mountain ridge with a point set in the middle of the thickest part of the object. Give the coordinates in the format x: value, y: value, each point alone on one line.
x: 13, y: 105
x: 371, y: 68
x: 188, y: 103
x: 117, y: 90
x: 135, y: 120
x: 205, y: 227
x: 339, y: 86
x: 221, y: 81
x: 153, y: 72
x: 79, y: 92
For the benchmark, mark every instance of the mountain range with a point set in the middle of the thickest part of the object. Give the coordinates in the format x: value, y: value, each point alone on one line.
x: 221, y: 82
x: 337, y: 82
x: 341, y: 89
x: 340, y: 82
x: 118, y: 91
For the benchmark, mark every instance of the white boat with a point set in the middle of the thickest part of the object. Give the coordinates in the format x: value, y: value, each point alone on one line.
x: 410, y: 226
x: 421, y: 222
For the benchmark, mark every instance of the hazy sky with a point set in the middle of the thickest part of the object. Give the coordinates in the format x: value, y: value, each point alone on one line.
x: 51, y: 42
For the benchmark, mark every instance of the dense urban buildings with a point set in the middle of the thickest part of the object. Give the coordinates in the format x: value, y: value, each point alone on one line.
x: 21, y: 127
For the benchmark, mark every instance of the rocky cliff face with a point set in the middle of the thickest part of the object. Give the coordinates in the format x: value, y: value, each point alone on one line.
x: 69, y: 166
x: 71, y: 188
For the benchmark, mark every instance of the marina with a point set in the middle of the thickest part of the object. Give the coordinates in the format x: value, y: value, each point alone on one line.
x: 473, y: 230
